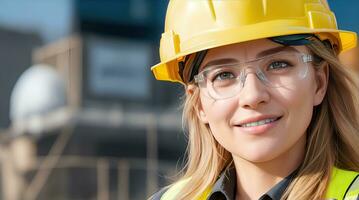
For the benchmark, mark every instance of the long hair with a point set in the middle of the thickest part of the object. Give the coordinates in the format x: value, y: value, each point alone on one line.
x: 332, y: 138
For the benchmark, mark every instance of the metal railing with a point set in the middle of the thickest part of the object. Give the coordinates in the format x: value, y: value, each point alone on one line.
x: 96, y: 178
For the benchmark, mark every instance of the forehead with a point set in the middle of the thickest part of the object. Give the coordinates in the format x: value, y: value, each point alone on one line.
x: 247, y: 50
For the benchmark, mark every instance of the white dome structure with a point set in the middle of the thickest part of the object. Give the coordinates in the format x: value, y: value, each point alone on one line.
x: 39, y: 91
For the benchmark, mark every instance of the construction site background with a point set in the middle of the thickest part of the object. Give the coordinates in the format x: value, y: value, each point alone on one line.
x: 81, y: 116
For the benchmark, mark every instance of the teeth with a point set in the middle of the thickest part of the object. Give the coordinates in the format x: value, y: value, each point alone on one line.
x: 258, y: 123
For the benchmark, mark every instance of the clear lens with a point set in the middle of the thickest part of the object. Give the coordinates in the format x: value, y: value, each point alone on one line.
x: 277, y: 70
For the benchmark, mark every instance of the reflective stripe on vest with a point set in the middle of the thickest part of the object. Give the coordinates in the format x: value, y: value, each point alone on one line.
x: 338, y: 187
x: 353, y: 192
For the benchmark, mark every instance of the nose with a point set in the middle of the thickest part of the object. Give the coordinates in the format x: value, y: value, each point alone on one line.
x: 254, y: 92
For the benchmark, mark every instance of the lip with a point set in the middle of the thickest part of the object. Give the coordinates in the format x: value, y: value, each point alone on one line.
x: 260, y: 129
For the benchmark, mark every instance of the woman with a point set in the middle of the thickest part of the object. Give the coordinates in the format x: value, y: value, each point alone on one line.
x: 271, y: 113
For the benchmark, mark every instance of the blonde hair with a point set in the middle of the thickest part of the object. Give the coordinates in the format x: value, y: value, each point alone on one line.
x: 332, y: 138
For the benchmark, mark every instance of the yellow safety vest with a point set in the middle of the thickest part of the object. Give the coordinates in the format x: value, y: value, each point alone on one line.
x: 341, y: 187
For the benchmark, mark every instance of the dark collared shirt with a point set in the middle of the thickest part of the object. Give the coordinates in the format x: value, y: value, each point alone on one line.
x: 225, y: 187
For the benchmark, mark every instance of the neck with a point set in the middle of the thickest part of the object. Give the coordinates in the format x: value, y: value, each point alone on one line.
x: 256, y: 178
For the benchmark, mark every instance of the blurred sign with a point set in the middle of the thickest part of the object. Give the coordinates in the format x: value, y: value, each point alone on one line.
x: 118, y: 68
x: 132, y: 12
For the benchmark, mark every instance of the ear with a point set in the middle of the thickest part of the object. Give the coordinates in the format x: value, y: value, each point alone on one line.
x: 190, y: 89
x: 322, y: 78
x: 202, y: 115
x: 200, y: 112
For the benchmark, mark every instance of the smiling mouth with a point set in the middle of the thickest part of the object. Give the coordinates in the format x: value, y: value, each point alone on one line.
x: 260, y: 122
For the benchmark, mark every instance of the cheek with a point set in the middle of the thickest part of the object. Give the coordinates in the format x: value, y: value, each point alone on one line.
x: 298, y: 109
x: 302, y: 99
x: 298, y: 102
x: 218, y: 113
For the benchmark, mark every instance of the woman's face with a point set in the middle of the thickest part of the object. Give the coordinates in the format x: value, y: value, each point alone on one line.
x: 261, y: 123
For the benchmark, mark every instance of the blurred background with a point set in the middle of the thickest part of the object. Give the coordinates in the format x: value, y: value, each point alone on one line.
x: 81, y: 116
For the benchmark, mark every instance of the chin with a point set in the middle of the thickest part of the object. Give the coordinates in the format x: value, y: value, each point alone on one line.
x: 258, y: 156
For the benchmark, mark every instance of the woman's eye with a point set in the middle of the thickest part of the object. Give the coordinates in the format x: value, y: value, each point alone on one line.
x: 278, y: 65
x: 224, y: 76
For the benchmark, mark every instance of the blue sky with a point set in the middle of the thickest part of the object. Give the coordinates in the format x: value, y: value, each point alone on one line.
x: 347, y: 13
x: 51, y: 18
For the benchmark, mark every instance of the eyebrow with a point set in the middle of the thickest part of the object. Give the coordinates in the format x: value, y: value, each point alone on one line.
x: 220, y: 61
x: 261, y: 54
x: 276, y: 50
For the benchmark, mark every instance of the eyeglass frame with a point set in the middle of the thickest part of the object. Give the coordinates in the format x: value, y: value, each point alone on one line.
x: 200, y: 78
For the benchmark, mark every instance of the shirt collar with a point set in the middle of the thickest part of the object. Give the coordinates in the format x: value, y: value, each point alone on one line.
x: 225, y: 187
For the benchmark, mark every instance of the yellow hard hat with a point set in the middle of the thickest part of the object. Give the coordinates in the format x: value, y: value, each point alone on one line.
x: 195, y: 25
